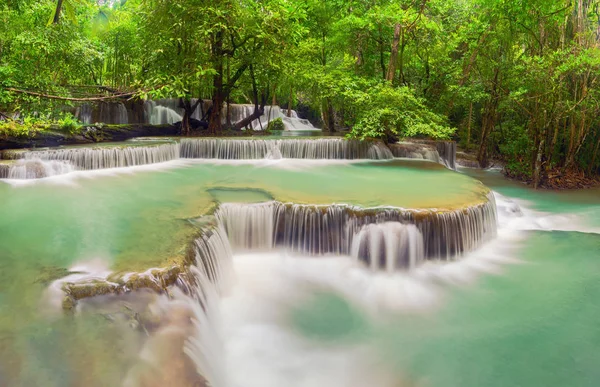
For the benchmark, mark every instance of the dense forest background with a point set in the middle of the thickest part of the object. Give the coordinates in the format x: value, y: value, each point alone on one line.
x: 515, y: 80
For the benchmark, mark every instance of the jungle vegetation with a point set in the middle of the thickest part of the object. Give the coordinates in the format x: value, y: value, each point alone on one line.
x: 515, y: 80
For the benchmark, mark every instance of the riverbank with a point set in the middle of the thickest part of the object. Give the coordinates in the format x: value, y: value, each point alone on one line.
x: 557, y: 179
x: 91, y: 134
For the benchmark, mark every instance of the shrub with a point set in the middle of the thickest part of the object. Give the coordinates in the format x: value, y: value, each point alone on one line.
x: 276, y: 125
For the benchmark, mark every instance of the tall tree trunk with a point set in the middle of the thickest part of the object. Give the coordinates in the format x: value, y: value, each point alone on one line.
x: 391, y: 71
x: 188, y: 111
x: 56, y: 19
x: 259, y: 107
x: 327, y: 115
x: 214, y: 120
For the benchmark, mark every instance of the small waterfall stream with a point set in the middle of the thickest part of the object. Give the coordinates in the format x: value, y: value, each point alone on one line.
x: 294, y: 149
x: 109, y: 157
x: 389, y: 246
x: 442, y: 152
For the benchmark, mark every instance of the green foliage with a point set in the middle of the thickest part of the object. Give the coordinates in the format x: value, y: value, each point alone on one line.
x: 68, y: 123
x: 276, y: 125
x: 383, y: 110
x: 518, y: 78
x: 517, y: 148
x: 21, y: 129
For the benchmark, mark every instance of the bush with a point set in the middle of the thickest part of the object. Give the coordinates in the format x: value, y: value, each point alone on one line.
x: 69, y: 123
x: 385, y: 111
x: 276, y: 125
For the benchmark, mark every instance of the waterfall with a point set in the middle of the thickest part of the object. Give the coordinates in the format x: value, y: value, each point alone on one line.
x: 4, y: 168
x: 168, y: 111
x: 293, y: 123
x: 332, y: 229
x: 163, y: 115
x: 36, y: 169
x: 113, y: 113
x: 114, y: 157
x: 442, y: 152
x: 211, y: 273
x: 295, y: 149
x: 213, y: 255
x: 84, y: 113
x: 248, y: 226
x: 447, y: 152
x: 389, y: 246
x: 415, y: 151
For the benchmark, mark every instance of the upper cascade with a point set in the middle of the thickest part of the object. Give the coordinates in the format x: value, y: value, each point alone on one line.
x: 375, y: 236
x: 331, y: 148
x: 168, y: 111
x: 108, y: 157
x: 442, y: 152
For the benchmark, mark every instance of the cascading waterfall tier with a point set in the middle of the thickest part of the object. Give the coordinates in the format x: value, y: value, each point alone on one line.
x: 389, y: 246
x: 4, y: 168
x: 442, y: 152
x: 113, y: 157
x: 447, y: 152
x: 294, y: 149
x: 213, y: 256
x: 34, y: 169
x: 342, y: 230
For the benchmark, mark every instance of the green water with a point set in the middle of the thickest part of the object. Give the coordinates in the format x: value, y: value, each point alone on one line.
x: 583, y: 201
x: 535, y: 324
x: 136, y: 220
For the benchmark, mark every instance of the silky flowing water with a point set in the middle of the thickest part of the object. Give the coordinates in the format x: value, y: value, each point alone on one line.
x: 520, y: 310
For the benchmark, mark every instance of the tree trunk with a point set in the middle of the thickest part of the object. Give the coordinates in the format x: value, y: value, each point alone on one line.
x: 258, y: 112
x: 327, y: 115
x: 391, y: 71
x: 58, y: 11
x: 289, y: 109
x: 214, y: 120
x: 537, y: 168
x: 188, y: 110
x: 482, y: 153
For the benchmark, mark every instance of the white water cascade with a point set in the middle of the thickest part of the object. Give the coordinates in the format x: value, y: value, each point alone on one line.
x: 108, y: 157
x: 334, y: 148
x: 168, y: 111
x: 389, y: 246
x: 334, y: 229
x: 230, y: 321
x: 164, y: 115
x: 442, y: 152
x: 35, y: 169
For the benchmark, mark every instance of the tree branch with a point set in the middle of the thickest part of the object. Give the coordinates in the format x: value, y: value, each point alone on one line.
x: 49, y: 96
